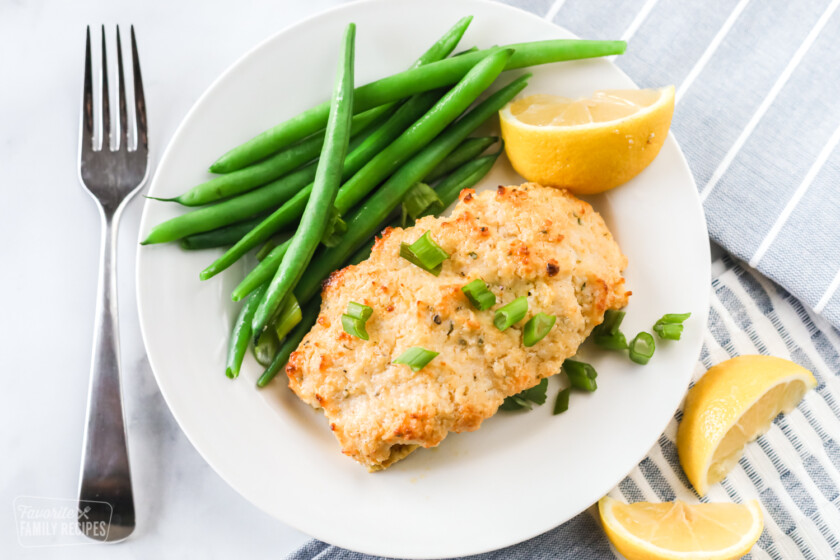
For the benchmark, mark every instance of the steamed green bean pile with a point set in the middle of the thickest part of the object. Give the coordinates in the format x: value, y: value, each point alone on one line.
x: 308, y: 195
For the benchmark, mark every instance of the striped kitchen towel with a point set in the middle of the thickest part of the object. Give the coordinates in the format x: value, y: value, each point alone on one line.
x: 794, y: 469
x: 757, y: 115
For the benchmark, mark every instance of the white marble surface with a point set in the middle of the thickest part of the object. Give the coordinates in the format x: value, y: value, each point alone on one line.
x: 49, y: 253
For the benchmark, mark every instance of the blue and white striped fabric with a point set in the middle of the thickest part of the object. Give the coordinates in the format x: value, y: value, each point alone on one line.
x: 794, y: 469
x: 758, y: 116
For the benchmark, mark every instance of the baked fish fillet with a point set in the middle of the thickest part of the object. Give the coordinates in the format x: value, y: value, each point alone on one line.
x: 529, y: 240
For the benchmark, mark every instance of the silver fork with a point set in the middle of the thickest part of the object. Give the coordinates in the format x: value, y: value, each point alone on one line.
x: 111, y: 175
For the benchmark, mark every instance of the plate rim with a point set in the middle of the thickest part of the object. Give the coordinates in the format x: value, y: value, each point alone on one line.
x: 165, y: 154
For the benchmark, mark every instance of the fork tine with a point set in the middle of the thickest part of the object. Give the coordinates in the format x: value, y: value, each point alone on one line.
x: 123, y: 137
x: 139, y: 97
x: 106, y: 99
x: 87, y: 100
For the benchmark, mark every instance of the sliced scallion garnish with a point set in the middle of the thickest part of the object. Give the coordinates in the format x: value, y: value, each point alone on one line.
x: 674, y: 317
x: 606, y: 335
x: 536, y: 394
x: 335, y: 229
x: 266, y: 347
x: 562, y: 402
x: 642, y: 348
x: 669, y: 331
x: 581, y: 375
x: 359, y: 310
x: 416, y: 358
x: 479, y: 294
x: 421, y: 200
x: 425, y: 253
x: 536, y: 328
x: 515, y: 402
x: 288, y: 317
x: 670, y: 326
x: 354, y: 327
x: 353, y: 322
x: 511, y: 313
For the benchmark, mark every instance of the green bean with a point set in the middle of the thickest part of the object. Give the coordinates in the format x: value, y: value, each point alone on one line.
x: 362, y: 223
x: 241, y: 334
x: 445, y: 111
x: 287, y: 214
x: 266, y: 268
x: 469, y: 149
x: 466, y: 51
x: 263, y: 272
x: 260, y: 173
x: 245, y: 205
x: 466, y: 176
x: 310, y: 315
x: 268, y: 247
x: 221, y: 237
x: 232, y: 210
x: 303, y: 125
x: 292, y: 209
x: 409, y: 82
x: 321, y: 201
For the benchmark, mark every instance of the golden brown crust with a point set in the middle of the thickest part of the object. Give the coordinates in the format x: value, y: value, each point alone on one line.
x: 529, y: 241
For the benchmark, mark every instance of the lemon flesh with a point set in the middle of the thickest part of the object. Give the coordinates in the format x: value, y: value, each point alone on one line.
x: 586, y: 145
x: 733, y: 404
x: 676, y: 530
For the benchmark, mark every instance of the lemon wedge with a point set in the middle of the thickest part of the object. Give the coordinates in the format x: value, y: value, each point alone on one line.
x: 586, y: 145
x: 676, y: 530
x: 732, y: 404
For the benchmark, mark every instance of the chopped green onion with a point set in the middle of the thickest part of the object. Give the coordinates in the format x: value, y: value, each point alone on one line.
x: 288, y: 317
x: 606, y: 335
x: 359, y: 310
x: 617, y: 342
x: 424, y: 253
x: 335, y: 230
x: 612, y: 320
x: 353, y: 322
x: 421, y: 200
x: 479, y: 294
x: 536, y: 394
x: 511, y: 313
x: 515, y: 402
x: 581, y: 375
x: 669, y: 331
x: 416, y: 358
x: 265, y: 348
x: 562, y: 402
x: 670, y: 325
x: 674, y: 318
x: 537, y: 327
x: 473, y: 255
x: 642, y: 348
x: 354, y: 326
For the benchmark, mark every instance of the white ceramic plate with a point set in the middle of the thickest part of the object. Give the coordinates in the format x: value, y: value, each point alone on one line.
x: 520, y: 474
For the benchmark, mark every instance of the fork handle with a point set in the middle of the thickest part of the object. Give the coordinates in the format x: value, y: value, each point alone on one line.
x: 106, y: 501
